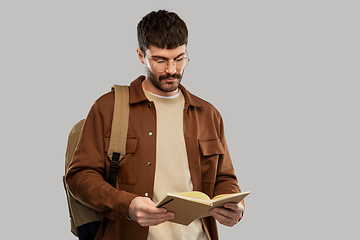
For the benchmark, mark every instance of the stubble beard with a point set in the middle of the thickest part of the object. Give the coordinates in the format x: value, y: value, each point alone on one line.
x: 162, y: 85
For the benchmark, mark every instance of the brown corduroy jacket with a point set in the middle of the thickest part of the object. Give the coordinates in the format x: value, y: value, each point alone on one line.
x: 210, y: 165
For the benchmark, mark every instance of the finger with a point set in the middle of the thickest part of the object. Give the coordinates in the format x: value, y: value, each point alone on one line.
x: 144, y: 211
x: 222, y: 219
x: 235, y: 206
x: 151, y: 207
x: 228, y: 213
x: 149, y: 201
x: 145, y: 219
x: 150, y: 215
x: 227, y: 217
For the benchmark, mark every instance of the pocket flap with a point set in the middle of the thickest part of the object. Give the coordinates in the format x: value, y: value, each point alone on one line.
x: 131, y: 144
x: 211, y: 147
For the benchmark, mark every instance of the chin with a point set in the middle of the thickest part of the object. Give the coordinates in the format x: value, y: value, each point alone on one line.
x: 170, y: 87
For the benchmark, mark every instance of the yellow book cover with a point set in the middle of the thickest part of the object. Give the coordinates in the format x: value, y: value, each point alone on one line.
x: 189, y: 206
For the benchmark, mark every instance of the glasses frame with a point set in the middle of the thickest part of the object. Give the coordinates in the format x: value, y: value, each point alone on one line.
x: 186, y: 56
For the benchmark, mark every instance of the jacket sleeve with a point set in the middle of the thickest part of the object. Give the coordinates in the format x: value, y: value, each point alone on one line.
x: 85, y: 176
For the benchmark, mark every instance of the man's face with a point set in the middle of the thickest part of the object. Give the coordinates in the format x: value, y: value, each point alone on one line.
x: 169, y: 80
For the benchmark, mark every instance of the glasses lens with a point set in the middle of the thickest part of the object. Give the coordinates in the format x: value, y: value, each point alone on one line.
x: 160, y: 66
x: 179, y: 64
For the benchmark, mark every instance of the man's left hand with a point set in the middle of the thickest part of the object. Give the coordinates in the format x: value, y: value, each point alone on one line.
x: 229, y: 215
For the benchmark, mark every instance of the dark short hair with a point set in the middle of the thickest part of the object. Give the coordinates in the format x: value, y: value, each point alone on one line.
x: 161, y: 29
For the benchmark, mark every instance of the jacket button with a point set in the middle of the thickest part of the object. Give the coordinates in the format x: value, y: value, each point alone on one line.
x: 150, y: 105
x: 149, y: 163
x: 146, y: 194
x: 150, y: 133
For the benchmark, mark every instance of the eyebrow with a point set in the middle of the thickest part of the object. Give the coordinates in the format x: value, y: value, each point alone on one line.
x: 161, y: 57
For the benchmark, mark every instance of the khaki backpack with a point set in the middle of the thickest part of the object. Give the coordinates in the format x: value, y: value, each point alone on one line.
x: 84, y: 220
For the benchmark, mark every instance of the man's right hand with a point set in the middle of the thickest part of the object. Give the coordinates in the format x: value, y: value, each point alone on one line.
x: 144, y: 211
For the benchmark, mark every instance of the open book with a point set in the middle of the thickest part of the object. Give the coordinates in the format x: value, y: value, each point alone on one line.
x: 189, y: 206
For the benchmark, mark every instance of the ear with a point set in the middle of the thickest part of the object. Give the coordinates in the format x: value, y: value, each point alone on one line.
x: 140, y: 55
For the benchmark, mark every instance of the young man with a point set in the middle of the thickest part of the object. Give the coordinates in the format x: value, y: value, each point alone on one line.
x: 175, y: 143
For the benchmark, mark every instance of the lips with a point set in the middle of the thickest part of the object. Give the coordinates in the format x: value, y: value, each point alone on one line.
x: 170, y: 80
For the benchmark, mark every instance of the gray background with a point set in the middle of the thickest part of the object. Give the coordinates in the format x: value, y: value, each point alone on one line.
x: 284, y: 75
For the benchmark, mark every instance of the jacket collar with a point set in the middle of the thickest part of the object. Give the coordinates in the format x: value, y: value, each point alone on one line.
x: 137, y: 94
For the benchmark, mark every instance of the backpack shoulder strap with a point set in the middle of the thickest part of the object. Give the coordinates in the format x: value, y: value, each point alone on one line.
x: 119, y: 128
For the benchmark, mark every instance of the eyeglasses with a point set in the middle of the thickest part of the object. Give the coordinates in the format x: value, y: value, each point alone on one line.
x: 180, y: 63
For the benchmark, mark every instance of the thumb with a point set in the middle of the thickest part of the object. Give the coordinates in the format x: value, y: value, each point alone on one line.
x: 148, y: 201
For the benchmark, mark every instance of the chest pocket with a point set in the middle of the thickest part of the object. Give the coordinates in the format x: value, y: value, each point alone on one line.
x: 211, y: 150
x: 127, y: 173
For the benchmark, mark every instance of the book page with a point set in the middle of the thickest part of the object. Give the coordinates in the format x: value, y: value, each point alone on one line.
x: 219, y: 200
x: 194, y: 196
x: 218, y: 197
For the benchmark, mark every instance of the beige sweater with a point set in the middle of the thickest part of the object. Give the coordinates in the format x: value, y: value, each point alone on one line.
x: 172, y: 169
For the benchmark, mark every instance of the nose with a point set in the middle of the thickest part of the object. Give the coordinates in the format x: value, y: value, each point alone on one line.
x: 171, y: 68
